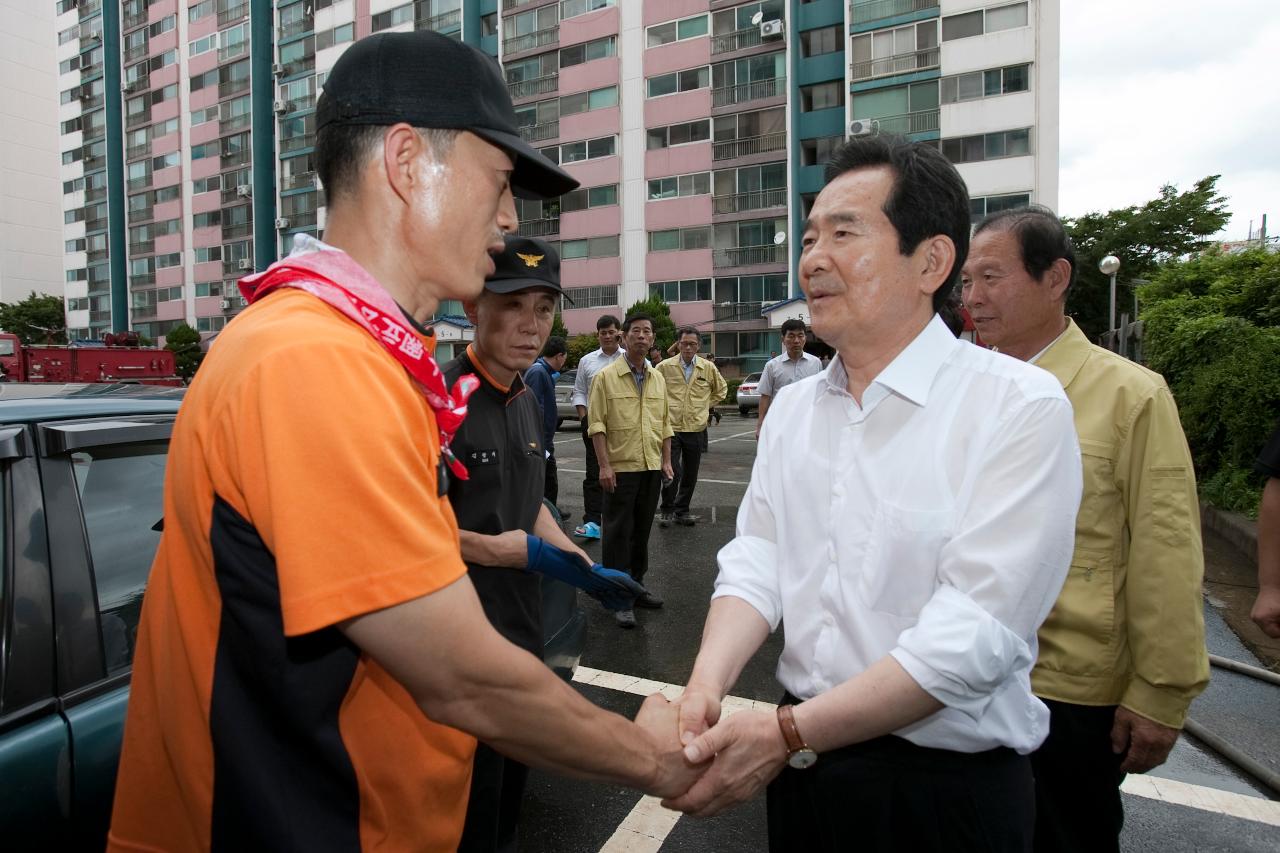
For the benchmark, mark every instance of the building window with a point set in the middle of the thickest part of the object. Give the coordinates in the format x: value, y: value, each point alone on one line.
x: 209, y: 219
x: 205, y: 185
x: 208, y: 288
x: 678, y: 186
x: 210, y: 324
x: 985, y: 84
x: 392, y: 18
x: 821, y: 41
x: 983, y: 205
x: 597, y: 296
x: 982, y: 21
x: 987, y: 146
x: 679, y: 134
x: 679, y: 81
x: 590, y: 197
x: 689, y: 290
x: 205, y: 254
x: 588, y: 149
x: 489, y: 25
x: 573, y: 8
x: 821, y: 96
x: 581, y: 102
x: 593, y: 247
x: 672, y: 31
x: 588, y: 51
x: 680, y: 239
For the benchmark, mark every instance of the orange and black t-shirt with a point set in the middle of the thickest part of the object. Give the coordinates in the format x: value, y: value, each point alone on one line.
x: 301, y: 491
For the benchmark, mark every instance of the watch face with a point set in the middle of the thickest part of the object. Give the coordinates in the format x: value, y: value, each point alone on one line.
x: 802, y: 759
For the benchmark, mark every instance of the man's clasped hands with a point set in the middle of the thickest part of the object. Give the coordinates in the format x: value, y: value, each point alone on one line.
x: 709, y: 761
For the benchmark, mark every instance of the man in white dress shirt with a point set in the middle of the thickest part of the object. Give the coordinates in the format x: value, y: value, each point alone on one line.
x: 609, y: 334
x: 912, y: 543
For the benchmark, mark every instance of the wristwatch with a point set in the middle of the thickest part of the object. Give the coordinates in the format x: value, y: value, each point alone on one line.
x: 799, y: 755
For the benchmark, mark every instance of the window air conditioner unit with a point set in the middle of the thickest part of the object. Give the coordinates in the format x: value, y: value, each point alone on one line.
x: 771, y: 29
x: 281, y: 107
x: 278, y: 69
x: 245, y: 263
x: 226, y: 304
x: 244, y: 190
x: 863, y: 127
x: 282, y: 222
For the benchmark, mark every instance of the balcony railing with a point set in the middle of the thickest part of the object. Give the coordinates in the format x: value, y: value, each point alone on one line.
x: 231, y: 267
x: 301, y: 220
x: 145, y: 247
x: 743, y: 92
x: 874, y: 10
x: 99, y: 317
x: 231, y: 194
x: 235, y: 13
x: 97, y: 256
x: 756, y: 200
x: 143, y: 312
x: 88, y: 101
x: 900, y: 64
x: 744, y: 256
x: 444, y: 21
x: 300, y: 66
x: 135, y: 151
x: 296, y: 28
x: 297, y: 143
x: 749, y: 145
x: 142, y: 214
x: 231, y: 51
x: 736, y: 312
x: 143, y: 278
x: 235, y: 158
x: 736, y: 40
x: 539, y: 132
x: 230, y: 87
x: 231, y: 232
x: 540, y: 227
x: 508, y: 5
x: 541, y: 38
x: 136, y: 52
x: 92, y: 164
x: 536, y: 86
x: 93, y: 194
x: 128, y: 22
x: 302, y: 180
x: 304, y: 102
x: 920, y: 122
x: 240, y: 122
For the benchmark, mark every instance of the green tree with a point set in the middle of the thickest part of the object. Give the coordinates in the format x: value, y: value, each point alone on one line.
x: 557, y: 327
x: 664, y: 329
x: 578, y: 346
x: 1143, y: 237
x: 1211, y: 327
x: 38, y: 319
x: 184, y: 342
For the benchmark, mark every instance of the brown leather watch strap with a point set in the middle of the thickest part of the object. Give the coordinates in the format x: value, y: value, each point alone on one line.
x: 791, y: 734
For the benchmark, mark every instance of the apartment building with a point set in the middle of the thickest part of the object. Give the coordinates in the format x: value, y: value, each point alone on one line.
x: 697, y: 128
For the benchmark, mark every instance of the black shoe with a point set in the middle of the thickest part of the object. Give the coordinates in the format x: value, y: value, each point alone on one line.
x: 625, y: 618
x: 687, y: 520
x: 664, y: 520
x: 648, y: 600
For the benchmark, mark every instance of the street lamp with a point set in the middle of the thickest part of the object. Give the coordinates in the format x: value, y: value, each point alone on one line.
x: 1109, y: 266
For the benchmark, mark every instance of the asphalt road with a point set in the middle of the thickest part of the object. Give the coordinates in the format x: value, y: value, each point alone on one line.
x: 1196, y: 802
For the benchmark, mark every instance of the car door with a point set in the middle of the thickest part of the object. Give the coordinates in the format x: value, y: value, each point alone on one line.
x: 103, y: 483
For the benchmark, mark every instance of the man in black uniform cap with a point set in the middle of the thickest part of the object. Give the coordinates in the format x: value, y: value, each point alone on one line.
x: 503, y: 524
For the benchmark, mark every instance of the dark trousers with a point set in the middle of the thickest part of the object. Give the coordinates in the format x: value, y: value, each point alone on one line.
x: 497, y: 786
x: 1078, y: 780
x: 551, y: 482
x: 888, y: 794
x: 592, y: 494
x: 686, y: 456
x: 628, y: 518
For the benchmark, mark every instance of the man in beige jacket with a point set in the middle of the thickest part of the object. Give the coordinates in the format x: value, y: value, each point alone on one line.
x: 1122, y: 653
x: 694, y: 386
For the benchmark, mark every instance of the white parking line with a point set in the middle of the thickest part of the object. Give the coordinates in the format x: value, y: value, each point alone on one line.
x: 749, y: 432
x: 648, y: 824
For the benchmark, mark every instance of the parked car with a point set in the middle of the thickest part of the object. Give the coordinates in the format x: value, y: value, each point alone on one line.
x: 565, y: 410
x: 81, y: 510
x: 748, y: 395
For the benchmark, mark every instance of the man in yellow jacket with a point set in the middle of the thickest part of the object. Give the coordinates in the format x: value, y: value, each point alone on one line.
x: 1122, y: 653
x: 694, y: 386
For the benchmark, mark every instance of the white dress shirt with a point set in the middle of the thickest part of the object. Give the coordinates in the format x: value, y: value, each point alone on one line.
x: 780, y: 371
x: 934, y: 523
x: 588, y: 366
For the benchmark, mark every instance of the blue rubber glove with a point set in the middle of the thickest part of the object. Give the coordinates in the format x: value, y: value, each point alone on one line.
x: 614, y: 589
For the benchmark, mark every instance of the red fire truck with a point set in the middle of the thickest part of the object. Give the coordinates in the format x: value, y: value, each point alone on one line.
x: 117, y: 358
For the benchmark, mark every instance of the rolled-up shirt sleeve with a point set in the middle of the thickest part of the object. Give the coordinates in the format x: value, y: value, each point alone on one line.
x: 749, y: 563
x: 582, y: 384
x: 1003, y: 568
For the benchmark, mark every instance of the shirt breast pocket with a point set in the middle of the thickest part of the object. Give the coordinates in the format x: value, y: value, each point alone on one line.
x: 900, y: 572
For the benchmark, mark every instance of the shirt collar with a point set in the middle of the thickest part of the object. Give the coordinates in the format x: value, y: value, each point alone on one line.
x: 912, y: 371
x: 1037, y: 356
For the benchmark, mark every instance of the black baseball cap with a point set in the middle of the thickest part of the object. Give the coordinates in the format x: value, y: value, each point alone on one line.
x: 433, y: 81
x: 525, y: 262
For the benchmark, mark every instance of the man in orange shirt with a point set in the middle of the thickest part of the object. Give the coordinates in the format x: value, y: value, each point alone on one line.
x: 310, y: 643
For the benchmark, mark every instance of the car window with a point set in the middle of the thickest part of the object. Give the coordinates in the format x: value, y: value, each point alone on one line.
x: 122, y: 497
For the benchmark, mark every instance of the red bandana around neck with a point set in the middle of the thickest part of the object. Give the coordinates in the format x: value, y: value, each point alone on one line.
x: 367, y: 304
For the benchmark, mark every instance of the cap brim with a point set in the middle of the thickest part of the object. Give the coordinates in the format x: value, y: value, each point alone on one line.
x: 511, y: 285
x: 535, y: 176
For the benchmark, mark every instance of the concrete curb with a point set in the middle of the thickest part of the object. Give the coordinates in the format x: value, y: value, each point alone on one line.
x: 1240, y: 531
